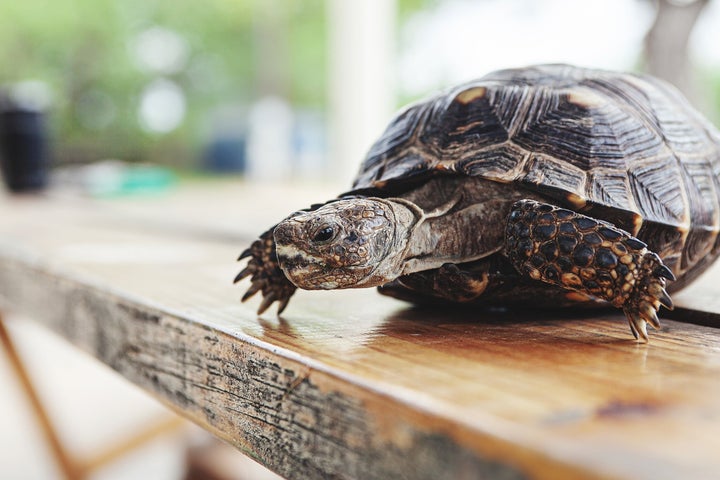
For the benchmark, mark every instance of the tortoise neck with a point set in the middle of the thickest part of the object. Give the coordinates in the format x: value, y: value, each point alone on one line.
x: 421, y: 233
x: 468, y: 225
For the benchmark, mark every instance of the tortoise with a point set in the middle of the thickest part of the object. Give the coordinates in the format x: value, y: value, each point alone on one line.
x: 550, y: 185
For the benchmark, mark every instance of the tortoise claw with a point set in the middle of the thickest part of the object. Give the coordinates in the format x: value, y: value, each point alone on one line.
x: 665, y: 300
x: 649, y: 294
x: 650, y: 316
x: 282, y: 304
x: 638, y: 327
x: 633, y: 328
x: 244, y: 273
x: 665, y: 272
x: 640, y: 319
x: 254, y: 288
x: 266, y: 302
x: 265, y: 274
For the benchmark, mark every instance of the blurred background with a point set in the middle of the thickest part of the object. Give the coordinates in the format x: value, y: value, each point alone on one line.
x: 121, y: 96
x: 274, y: 89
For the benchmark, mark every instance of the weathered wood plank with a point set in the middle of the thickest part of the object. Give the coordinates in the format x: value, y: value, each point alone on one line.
x: 351, y: 384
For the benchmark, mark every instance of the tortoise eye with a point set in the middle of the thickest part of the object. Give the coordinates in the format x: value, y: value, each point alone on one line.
x: 324, y: 234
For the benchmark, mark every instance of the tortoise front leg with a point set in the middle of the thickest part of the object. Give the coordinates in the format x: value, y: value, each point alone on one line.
x: 265, y: 274
x: 576, y: 252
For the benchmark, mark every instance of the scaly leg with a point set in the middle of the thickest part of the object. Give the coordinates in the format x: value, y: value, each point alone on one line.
x: 488, y: 282
x: 576, y: 252
x: 265, y: 274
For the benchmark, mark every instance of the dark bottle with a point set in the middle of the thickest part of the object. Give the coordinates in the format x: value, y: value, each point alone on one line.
x: 23, y: 147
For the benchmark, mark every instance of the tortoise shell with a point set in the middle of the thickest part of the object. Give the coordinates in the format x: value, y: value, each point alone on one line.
x: 625, y: 148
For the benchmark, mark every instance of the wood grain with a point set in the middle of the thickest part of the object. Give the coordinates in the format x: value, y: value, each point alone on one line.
x: 351, y: 384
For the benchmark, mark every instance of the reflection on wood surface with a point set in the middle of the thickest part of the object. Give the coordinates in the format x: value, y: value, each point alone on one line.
x: 353, y: 384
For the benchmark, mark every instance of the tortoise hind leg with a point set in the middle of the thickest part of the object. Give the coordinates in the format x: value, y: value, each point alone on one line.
x: 564, y: 248
x: 488, y: 282
x: 449, y: 283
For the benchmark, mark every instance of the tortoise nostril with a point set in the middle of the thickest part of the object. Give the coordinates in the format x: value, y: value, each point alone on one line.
x: 284, y: 233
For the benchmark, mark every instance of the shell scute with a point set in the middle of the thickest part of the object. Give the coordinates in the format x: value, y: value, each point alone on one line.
x: 587, y: 138
x: 547, y: 173
x: 456, y: 124
x: 658, y: 192
x: 502, y: 163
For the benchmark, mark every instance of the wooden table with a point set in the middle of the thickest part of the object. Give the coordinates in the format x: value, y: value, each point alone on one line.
x: 352, y: 384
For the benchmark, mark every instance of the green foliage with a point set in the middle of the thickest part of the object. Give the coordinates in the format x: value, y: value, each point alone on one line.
x: 709, y: 91
x: 83, y: 49
x: 308, y: 53
x: 408, y: 7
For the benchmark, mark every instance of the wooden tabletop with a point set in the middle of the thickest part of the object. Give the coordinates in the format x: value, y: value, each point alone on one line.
x: 352, y: 384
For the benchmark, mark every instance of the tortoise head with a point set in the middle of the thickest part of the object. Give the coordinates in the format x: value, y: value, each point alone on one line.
x: 343, y: 244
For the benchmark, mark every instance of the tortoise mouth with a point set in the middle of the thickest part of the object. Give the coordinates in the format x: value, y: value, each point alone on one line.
x: 302, y: 269
x: 312, y: 273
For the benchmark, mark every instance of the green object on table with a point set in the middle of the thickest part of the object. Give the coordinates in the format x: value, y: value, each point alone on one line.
x: 120, y: 179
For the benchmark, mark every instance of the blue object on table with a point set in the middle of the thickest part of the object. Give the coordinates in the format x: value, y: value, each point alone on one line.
x: 225, y: 155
